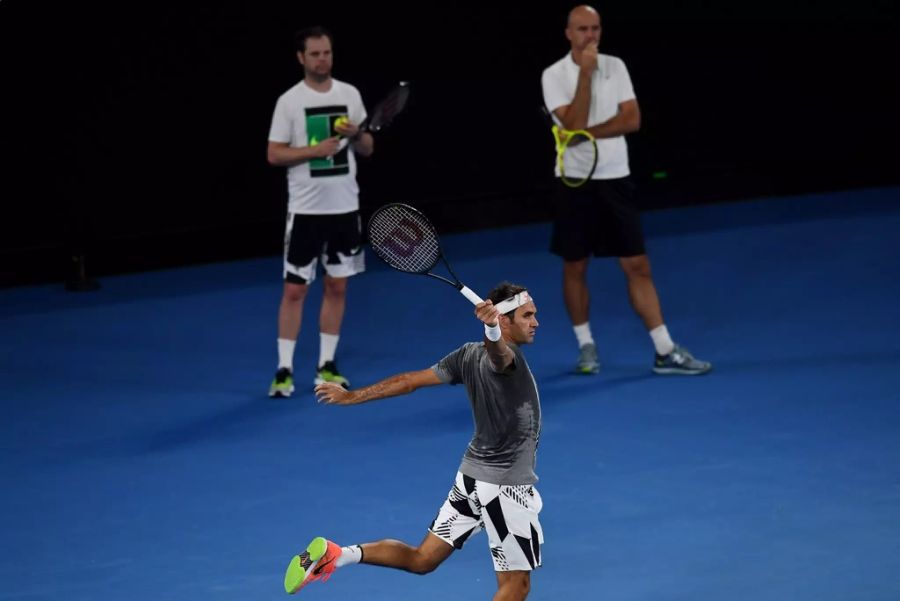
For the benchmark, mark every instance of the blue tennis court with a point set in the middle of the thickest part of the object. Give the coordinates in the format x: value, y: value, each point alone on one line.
x: 142, y: 460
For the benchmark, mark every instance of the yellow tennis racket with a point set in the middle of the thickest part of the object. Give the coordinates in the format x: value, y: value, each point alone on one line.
x: 576, y: 155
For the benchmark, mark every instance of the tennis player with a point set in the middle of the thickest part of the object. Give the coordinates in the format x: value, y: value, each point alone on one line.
x: 494, y: 487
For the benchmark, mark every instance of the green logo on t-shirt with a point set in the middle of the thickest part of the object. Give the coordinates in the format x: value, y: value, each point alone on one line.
x: 319, y: 126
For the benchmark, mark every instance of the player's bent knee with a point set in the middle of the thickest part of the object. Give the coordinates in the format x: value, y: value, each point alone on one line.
x: 425, y: 564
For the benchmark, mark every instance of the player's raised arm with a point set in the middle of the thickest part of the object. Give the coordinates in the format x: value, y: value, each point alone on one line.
x: 500, y: 354
x: 334, y: 394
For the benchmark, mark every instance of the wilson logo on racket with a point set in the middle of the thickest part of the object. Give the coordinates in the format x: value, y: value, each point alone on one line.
x: 404, y: 239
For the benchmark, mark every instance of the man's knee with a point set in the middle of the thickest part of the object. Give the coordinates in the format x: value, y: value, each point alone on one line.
x: 515, y: 586
x: 335, y: 287
x: 575, y: 269
x: 295, y: 293
x: 424, y: 564
x: 636, y: 267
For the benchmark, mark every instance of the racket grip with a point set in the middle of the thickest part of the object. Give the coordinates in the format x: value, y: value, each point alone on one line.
x: 469, y: 294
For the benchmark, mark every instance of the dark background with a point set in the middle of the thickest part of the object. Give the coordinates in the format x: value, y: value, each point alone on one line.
x: 135, y: 135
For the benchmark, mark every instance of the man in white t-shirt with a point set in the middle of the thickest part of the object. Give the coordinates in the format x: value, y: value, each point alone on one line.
x: 592, y: 91
x: 315, y: 133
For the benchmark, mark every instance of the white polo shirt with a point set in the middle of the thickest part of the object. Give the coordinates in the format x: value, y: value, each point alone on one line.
x: 610, y: 86
x: 304, y: 116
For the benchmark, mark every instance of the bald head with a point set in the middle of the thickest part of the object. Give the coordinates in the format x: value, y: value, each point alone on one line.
x: 582, y: 13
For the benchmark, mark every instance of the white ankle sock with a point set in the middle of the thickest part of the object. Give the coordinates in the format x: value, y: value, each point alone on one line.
x: 661, y: 340
x: 327, y: 347
x: 583, y: 334
x: 349, y: 556
x: 286, y: 353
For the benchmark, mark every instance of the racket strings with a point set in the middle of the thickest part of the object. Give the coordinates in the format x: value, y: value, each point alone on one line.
x: 404, y: 240
x: 579, y: 158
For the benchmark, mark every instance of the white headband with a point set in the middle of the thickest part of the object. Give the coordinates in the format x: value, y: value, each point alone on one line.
x: 514, y: 302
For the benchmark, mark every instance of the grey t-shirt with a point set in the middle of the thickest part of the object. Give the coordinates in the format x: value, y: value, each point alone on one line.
x: 507, y: 413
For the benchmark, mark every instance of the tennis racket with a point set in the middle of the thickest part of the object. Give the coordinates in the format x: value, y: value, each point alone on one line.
x: 384, y: 112
x: 576, y: 154
x: 387, y: 109
x: 403, y: 238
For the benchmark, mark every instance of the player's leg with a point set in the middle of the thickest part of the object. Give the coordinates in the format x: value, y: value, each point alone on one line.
x: 300, y: 260
x: 334, y: 299
x: 290, y: 312
x: 641, y: 290
x: 342, y: 258
x: 458, y: 518
x: 511, y: 521
x: 322, y: 557
x: 629, y: 245
x: 331, y: 317
x: 575, y: 290
x: 425, y: 558
x: 513, y: 586
x: 571, y: 242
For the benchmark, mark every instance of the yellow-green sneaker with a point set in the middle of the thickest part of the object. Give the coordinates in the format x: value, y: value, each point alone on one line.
x: 317, y: 562
x: 283, y: 384
x: 328, y: 372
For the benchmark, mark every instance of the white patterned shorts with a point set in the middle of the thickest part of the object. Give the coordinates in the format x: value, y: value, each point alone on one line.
x: 508, y: 513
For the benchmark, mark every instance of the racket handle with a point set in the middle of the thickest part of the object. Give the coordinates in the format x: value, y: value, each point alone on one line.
x: 467, y: 292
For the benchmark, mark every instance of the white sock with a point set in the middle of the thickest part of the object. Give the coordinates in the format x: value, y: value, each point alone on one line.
x: 327, y: 347
x: 583, y: 334
x: 349, y: 556
x: 286, y: 353
x: 661, y: 340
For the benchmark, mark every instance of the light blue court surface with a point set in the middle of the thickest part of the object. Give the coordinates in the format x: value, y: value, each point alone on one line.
x: 142, y: 461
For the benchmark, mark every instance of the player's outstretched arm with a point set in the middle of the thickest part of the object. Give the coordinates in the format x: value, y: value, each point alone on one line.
x: 334, y: 394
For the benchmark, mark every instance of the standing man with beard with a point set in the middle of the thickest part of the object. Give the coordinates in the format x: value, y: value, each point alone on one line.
x: 315, y: 134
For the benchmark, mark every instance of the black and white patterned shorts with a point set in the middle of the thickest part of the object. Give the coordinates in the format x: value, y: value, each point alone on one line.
x: 336, y: 240
x: 508, y: 513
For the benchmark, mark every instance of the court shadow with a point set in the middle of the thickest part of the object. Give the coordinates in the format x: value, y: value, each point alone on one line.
x: 236, y: 423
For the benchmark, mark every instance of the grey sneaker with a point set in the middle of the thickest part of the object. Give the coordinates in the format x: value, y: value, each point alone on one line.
x: 680, y: 362
x: 588, y: 363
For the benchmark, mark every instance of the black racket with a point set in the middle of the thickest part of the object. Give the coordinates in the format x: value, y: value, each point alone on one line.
x: 387, y: 109
x: 403, y: 238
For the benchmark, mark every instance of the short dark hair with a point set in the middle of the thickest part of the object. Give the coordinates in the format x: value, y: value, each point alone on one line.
x: 311, y: 32
x: 503, y: 291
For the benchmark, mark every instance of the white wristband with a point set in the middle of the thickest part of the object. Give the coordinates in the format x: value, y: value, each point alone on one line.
x: 492, y: 332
